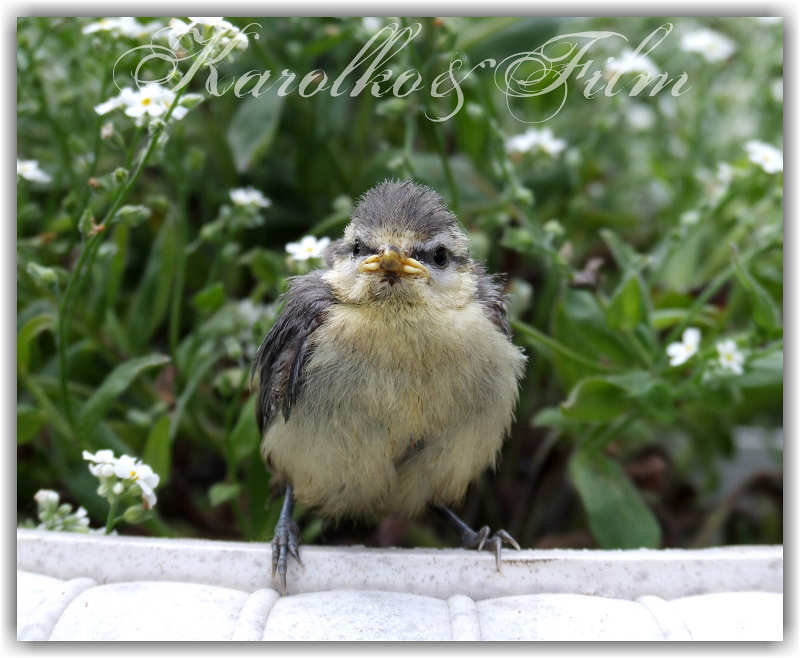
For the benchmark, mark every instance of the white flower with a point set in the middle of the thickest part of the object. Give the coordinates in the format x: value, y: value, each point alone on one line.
x: 630, y: 62
x: 132, y: 470
x: 730, y: 358
x: 102, y: 465
x: 308, y: 247
x: 151, y: 101
x: 30, y: 170
x: 690, y: 217
x: 765, y: 156
x: 639, y: 116
x: 221, y: 28
x: 46, y: 497
x: 725, y: 173
x: 711, y: 45
x: 371, y: 23
x: 124, y: 25
x: 536, y: 139
x: 249, y: 196
x: 681, y: 352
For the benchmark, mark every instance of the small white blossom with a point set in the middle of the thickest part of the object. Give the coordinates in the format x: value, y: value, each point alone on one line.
x: 730, y: 358
x: 630, y: 62
x: 690, y: 217
x: 371, y: 23
x: 124, y: 25
x: 150, y: 102
x: 308, y: 247
x: 680, y: 353
x: 765, y: 156
x: 639, y: 116
x: 30, y: 170
x: 249, y: 196
x: 536, y: 139
x: 711, y: 45
x: 222, y: 29
x: 46, y: 497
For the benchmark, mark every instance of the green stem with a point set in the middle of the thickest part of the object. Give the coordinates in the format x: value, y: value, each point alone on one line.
x: 88, y: 254
x: 180, y: 274
x: 111, y: 520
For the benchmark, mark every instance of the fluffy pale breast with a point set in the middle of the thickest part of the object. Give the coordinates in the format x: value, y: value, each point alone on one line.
x: 398, y: 409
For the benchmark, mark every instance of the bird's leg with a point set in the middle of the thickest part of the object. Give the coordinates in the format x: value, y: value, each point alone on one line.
x: 286, y: 539
x: 481, y: 538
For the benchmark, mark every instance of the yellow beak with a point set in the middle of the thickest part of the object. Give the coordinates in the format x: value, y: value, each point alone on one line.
x: 392, y: 261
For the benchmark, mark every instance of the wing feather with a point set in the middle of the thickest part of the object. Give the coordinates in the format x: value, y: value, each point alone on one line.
x: 280, y: 361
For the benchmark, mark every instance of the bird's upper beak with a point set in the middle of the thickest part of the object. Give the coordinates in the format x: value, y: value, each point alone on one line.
x: 392, y: 261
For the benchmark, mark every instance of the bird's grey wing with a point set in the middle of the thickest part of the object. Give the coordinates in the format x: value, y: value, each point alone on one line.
x: 490, y: 295
x: 280, y: 362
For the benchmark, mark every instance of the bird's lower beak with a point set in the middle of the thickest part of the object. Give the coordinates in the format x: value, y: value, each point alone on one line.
x: 391, y: 261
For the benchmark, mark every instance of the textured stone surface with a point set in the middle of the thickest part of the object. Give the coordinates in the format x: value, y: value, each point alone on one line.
x: 152, y: 611
x: 73, y: 587
x: 345, y: 615
x: 432, y: 572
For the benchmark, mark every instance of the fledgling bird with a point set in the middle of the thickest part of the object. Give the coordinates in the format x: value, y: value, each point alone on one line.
x: 389, y: 381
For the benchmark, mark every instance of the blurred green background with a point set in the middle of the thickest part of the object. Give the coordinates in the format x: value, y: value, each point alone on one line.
x: 632, y: 220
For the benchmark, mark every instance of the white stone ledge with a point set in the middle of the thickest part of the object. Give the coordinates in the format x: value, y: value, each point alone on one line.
x: 73, y: 586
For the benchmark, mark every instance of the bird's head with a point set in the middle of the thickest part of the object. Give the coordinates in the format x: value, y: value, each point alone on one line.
x: 402, y: 246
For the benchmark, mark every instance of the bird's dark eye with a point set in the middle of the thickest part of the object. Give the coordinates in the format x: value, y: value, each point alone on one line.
x: 356, y: 247
x: 440, y: 256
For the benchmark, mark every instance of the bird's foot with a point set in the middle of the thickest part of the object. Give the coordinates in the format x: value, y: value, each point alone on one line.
x: 286, y: 541
x: 480, y: 540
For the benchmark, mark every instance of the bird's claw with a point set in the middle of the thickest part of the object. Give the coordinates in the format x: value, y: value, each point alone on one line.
x: 481, y: 540
x: 285, y: 543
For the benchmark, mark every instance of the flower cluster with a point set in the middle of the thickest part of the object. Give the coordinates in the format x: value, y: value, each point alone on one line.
x: 729, y: 358
x: 125, y: 26
x: 630, y: 62
x: 228, y: 36
x: 152, y: 101
x: 53, y: 515
x: 535, y: 139
x: 711, y: 45
x: 249, y: 196
x: 122, y: 477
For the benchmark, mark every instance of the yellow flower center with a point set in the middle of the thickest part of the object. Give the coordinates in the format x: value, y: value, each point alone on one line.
x: 133, y: 475
x: 146, y: 101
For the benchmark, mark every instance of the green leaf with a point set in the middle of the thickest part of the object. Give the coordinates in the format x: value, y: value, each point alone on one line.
x: 629, y: 306
x: 222, y: 492
x: 151, y: 302
x: 618, y: 517
x: 664, y: 318
x: 157, y: 449
x: 252, y: 128
x: 244, y: 438
x: 580, y: 324
x: 595, y: 400
x: 210, y: 298
x: 95, y: 408
x: 763, y: 370
x: 627, y: 258
x: 29, y: 421
x: 552, y: 417
x: 765, y: 311
x: 32, y: 328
